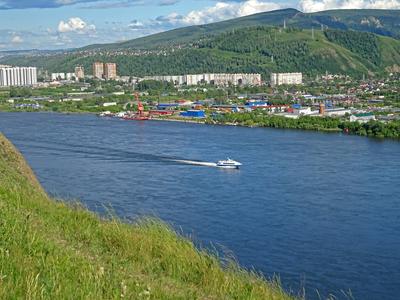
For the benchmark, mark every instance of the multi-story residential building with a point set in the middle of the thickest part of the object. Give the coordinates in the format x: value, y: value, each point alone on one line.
x: 211, y: 78
x: 286, y: 78
x: 70, y: 76
x: 236, y: 79
x: 18, y: 76
x: 194, y: 79
x: 98, y: 70
x: 177, y: 80
x: 110, y: 71
x: 57, y: 76
x: 79, y: 72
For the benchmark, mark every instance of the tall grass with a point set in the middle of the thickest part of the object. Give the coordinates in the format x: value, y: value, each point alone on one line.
x: 52, y: 250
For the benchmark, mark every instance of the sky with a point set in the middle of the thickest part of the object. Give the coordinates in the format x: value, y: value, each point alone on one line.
x: 65, y: 24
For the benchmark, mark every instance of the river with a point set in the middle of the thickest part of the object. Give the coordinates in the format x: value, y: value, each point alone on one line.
x: 321, y: 211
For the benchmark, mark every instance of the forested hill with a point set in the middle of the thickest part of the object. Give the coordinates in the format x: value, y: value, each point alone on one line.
x: 260, y: 49
x: 383, y: 22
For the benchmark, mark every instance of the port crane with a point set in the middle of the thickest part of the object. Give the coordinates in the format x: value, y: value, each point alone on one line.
x: 140, y: 115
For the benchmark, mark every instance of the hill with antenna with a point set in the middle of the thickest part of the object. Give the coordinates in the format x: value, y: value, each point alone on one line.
x: 382, y: 22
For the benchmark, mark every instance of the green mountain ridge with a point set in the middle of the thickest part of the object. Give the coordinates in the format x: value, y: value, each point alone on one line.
x: 383, y: 22
x: 252, y: 44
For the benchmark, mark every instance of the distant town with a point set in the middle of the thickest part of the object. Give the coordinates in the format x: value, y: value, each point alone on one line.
x: 206, y: 98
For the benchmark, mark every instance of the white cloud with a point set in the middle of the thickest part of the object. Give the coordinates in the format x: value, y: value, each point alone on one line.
x: 320, y: 5
x: 221, y: 11
x: 17, y: 39
x: 75, y: 25
x: 136, y: 25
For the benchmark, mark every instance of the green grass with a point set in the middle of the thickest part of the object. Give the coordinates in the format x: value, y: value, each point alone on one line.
x: 53, y: 250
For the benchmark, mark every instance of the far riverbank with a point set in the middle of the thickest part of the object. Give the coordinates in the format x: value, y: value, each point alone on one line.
x: 377, y: 129
x: 330, y: 125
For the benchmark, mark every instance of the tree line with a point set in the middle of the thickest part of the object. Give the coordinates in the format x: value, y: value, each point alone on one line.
x: 260, y: 119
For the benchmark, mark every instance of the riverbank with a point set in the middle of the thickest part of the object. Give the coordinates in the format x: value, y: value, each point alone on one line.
x: 49, y: 249
x: 326, y: 124
x: 180, y: 120
x: 378, y: 129
x: 329, y: 125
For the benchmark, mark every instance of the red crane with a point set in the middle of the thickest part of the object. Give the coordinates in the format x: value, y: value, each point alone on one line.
x: 140, y: 115
x: 139, y: 104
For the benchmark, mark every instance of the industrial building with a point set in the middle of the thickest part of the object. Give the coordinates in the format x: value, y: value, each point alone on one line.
x: 193, y: 114
x: 286, y: 78
x: 220, y: 79
x: 18, y: 76
x: 337, y: 112
x: 362, y: 117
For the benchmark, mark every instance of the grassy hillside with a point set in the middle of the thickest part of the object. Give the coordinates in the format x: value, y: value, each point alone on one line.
x: 259, y: 49
x: 51, y: 250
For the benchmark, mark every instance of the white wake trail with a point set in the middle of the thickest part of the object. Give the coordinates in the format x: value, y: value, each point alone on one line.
x: 196, y: 163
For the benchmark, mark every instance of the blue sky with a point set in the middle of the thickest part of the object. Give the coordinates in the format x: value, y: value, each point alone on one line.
x: 60, y: 24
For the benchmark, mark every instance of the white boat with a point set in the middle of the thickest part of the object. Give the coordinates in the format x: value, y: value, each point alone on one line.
x: 228, y: 164
x: 121, y: 114
x: 106, y: 114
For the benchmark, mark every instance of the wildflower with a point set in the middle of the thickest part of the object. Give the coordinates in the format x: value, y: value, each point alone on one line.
x: 123, y: 289
x: 145, y: 293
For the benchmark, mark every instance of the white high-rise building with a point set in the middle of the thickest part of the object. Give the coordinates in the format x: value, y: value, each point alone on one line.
x: 79, y: 72
x: 286, y: 78
x: 18, y: 76
x: 211, y: 78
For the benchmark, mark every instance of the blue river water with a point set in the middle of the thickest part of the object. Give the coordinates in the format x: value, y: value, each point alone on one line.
x: 321, y: 211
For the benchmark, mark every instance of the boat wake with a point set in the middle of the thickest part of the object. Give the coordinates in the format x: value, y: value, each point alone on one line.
x: 195, y: 163
x: 113, y: 154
